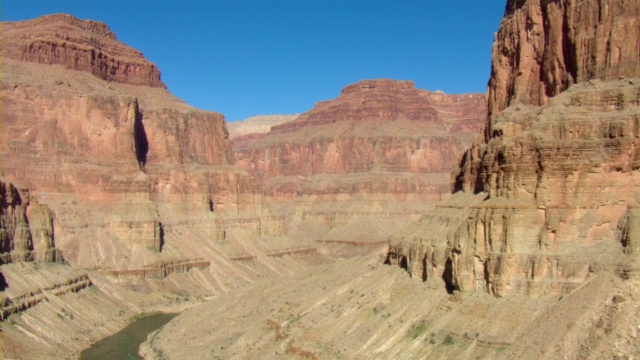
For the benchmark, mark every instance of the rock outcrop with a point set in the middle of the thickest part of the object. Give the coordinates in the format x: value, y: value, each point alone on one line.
x: 543, y: 47
x: 27, y: 300
x: 79, y: 45
x: 26, y: 228
x: 558, y: 167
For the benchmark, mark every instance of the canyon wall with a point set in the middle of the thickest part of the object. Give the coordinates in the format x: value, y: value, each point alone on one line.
x: 557, y: 171
x: 255, y: 127
x: 141, y: 189
x: 381, y: 148
x: 542, y: 47
x: 135, y: 176
x: 132, y: 175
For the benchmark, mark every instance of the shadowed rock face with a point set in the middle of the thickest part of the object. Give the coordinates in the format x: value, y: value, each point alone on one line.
x: 80, y: 45
x: 557, y: 173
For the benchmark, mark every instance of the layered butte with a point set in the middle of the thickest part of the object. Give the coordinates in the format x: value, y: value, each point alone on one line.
x: 383, y: 147
x: 381, y: 125
x: 550, y: 195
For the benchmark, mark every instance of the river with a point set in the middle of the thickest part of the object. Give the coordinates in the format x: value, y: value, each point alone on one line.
x: 124, y: 344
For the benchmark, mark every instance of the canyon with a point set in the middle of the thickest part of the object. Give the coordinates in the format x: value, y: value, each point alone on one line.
x: 389, y: 222
x: 118, y: 195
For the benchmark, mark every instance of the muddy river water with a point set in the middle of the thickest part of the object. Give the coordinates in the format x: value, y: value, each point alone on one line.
x: 124, y: 344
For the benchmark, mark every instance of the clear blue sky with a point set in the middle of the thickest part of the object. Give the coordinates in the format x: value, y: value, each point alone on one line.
x: 250, y: 57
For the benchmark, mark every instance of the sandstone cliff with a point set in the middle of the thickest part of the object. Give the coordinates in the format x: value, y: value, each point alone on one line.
x: 557, y: 169
x: 543, y: 47
x: 121, y: 163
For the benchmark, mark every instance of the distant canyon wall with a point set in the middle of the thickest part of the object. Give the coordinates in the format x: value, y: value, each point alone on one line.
x: 381, y: 139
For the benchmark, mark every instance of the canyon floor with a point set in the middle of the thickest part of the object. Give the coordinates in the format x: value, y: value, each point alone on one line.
x: 349, y: 305
x: 359, y: 308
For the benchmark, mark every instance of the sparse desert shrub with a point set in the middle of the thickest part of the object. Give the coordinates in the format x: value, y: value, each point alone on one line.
x: 448, y: 340
x: 417, y: 330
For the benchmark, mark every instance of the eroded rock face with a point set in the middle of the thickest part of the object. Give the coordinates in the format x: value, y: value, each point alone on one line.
x: 113, y: 161
x: 26, y: 229
x: 558, y: 167
x: 543, y: 47
x: 83, y: 45
x: 383, y: 138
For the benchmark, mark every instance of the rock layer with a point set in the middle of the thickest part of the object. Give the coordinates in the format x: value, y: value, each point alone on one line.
x: 248, y: 130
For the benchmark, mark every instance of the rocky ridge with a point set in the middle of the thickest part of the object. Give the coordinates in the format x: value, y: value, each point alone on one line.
x: 372, y: 125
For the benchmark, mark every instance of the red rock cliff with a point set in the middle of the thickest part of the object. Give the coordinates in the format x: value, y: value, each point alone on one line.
x: 374, y: 125
x: 114, y: 161
x: 76, y: 44
x: 543, y: 47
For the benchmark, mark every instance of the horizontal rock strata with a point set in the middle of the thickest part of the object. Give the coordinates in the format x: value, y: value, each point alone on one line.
x: 27, y: 300
x: 381, y: 140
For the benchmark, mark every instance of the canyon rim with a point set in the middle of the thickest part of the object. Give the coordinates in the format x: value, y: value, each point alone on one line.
x: 389, y: 222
